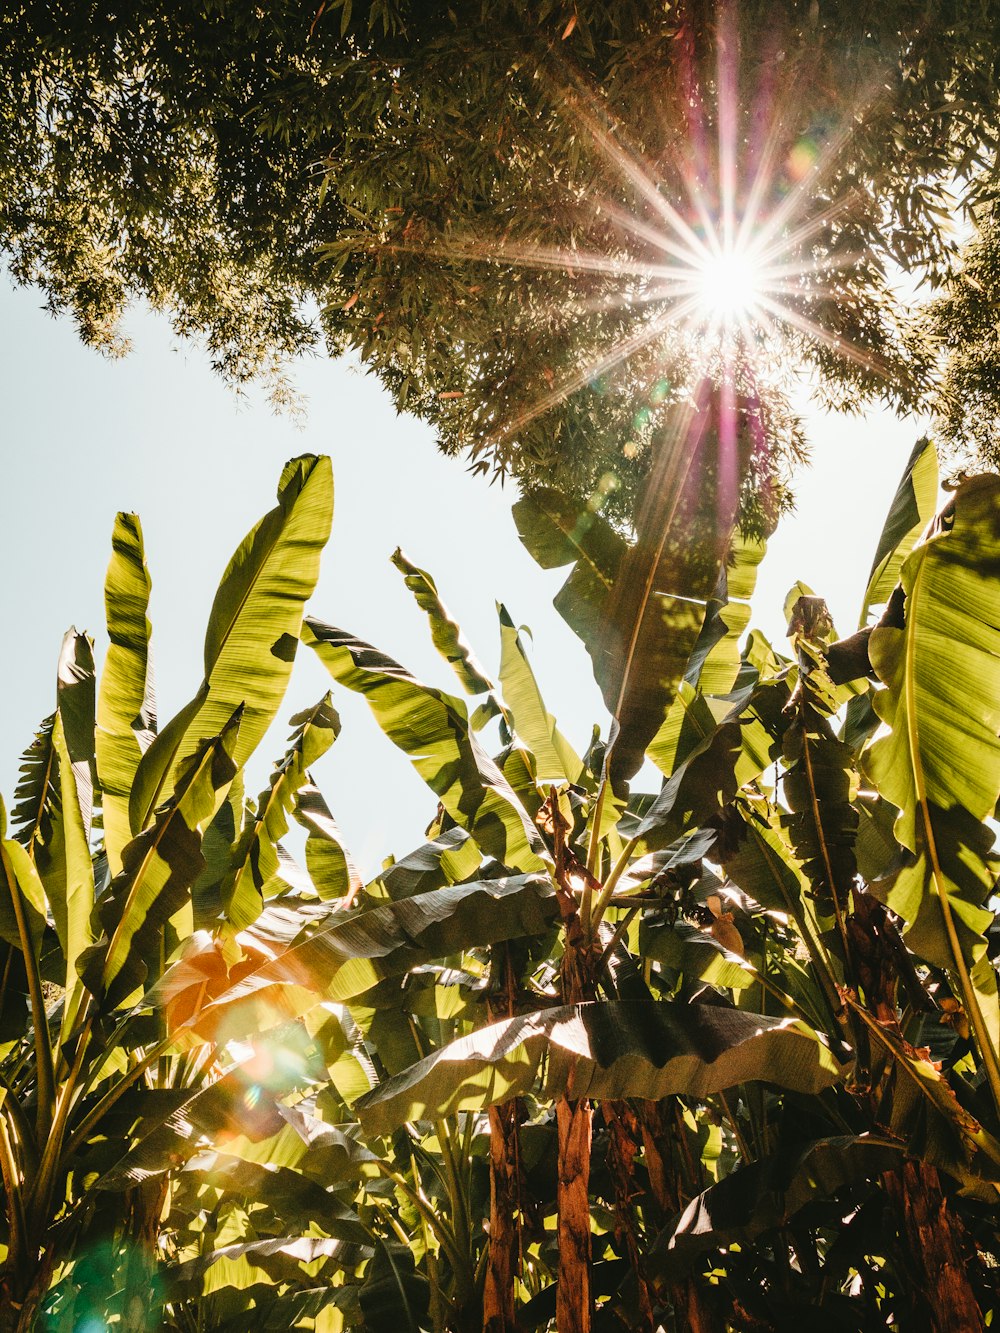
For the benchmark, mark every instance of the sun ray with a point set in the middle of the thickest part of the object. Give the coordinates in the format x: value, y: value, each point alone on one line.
x: 717, y: 243
x: 834, y: 341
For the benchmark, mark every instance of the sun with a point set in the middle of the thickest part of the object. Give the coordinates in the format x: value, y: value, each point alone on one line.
x: 728, y: 286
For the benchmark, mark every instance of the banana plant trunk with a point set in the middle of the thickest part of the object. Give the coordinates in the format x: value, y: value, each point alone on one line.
x: 657, y: 1134
x: 574, y: 1298
x: 499, y: 1314
x: 937, y: 1250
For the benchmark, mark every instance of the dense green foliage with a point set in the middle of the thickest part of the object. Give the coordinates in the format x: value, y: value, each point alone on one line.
x: 721, y: 1056
x: 360, y: 173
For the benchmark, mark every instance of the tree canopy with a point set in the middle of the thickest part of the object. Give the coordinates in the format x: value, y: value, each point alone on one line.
x: 486, y: 199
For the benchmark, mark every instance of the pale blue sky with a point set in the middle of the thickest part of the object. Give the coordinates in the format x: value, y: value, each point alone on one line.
x: 159, y: 434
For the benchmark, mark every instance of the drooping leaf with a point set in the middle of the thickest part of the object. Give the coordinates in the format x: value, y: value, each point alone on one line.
x: 549, y: 753
x: 158, y: 869
x: 126, y: 707
x: 655, y: 612
x: 764, y: 1195
x: 701, y: 783
x: 432, y: 728
x: 758, y: 857
x: 353, y: 952
x: 448, y: 637
x: 448, y: 858
x: 819, y: 781
x: 692, y: 952
x: 394, y: 1295
x: 556, y: 532
x: 717, y: 748
x: 640, y: 610
x: 911, y: 510
x: 252, y: 633
x: 255, y: 870
x: 194, y: 1277
x: 607, y: 1049
x: 331, y: 866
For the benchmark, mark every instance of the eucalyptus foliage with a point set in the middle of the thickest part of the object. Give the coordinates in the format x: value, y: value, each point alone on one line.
x: 355, y: 173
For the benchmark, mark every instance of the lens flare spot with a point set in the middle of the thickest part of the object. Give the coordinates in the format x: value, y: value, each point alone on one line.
x: 802, y: 159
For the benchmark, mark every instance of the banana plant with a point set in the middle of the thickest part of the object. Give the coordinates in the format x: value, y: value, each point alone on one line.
x: 591, y: 1056
x: 99, y: 863
x: 734, y: 983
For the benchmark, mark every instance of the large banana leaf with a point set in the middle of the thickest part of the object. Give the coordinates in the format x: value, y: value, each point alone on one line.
x: 448, y: 637
x: 158, y: 869
x: 605, y: 1049
x: 695, y: 953
x: 196, y: 1277
x: 911, y: 510
x: 126, y: 710
x: 70, y: 889
x: 640, y: 614
x: 715, y: 748
x: 355, y: 951
x: 557, y: 532
x: 252, y: 633
x: 433, y: 729
x: 550, y: 753
x: 764, y: 1195
x: 940, y: 763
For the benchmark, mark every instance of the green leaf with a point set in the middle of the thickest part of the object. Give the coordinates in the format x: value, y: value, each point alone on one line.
x: 330, y: 865
x: 448, y: 637
x: 254, y: 872
x: 819, y: 782
x: 640, y: 611
x: 606, y: 1049
x: 126, y: 708
x: 213, y: 1271
x: 713, y: 749
x: 715, y: 662
x: 355, y: 951
x: 252, y: 633
x: 158, y: 869
x: 692, y: 952
x: 911, y: 510
x: 22, y: 901
x: 433, y: 729
x: 765, y: 1195
x: 940, y: 763
x: 71, y: 891
x: 550, y: 755
x: 75, y: 681
x: 36, y: 796
x: 394, y: 1295
x: 448, y: 858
